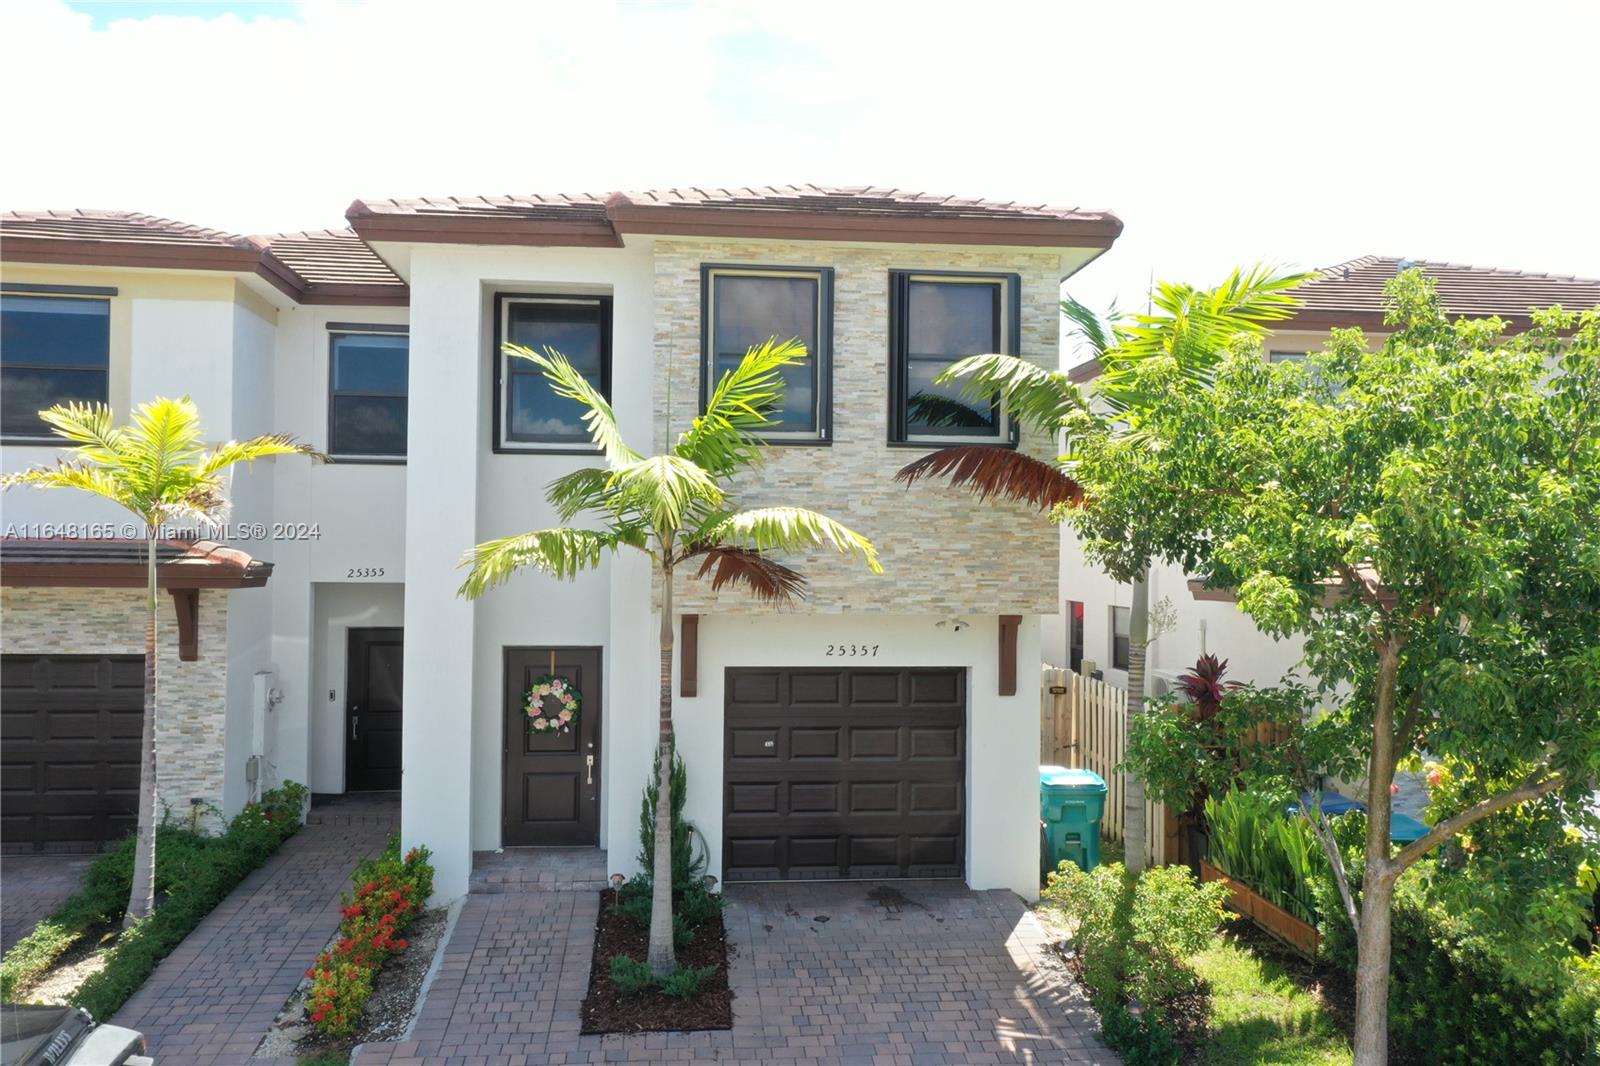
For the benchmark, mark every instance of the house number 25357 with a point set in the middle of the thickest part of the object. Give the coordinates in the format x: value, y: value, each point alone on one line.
x: 851, y: 651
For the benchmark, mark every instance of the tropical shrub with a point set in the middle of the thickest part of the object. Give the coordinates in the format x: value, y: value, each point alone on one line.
x: 1133, y: 937
x: 387, y: 895
x: 630, y: 975
x: 193, y: 874
x: 1457, y: 1001
x: 1254, y: 840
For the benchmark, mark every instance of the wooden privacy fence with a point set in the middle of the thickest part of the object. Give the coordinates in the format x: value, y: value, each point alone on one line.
x: 1080, y: 725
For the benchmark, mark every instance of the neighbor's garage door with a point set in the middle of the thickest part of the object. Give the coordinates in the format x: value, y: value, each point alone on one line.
x: 843, y: 774
x: 69, y: 749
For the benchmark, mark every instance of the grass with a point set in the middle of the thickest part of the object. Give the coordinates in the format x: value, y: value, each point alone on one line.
x: 1260, y: 1017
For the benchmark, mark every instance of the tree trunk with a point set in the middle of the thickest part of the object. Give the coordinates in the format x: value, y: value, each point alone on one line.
x: 1134, y: 831
x: 662, y: 960
x: 1378, y: 880
x: 1371, y: 1043
x: 142, y: 894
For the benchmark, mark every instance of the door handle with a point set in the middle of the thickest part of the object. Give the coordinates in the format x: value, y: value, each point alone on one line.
x: 354, y: 719
x: 589, y: 762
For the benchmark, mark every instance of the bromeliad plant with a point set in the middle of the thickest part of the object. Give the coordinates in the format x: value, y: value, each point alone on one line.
x: 1255, y: 840
x: 158, y: 469
x: 679, y: 509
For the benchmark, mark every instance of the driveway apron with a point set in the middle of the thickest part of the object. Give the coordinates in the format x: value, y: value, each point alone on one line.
x: 905, y: 973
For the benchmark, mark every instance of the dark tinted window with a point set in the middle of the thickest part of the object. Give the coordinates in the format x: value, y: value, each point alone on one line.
x: 578, y: 328
x: 52, y: 350
x: 367, y: 406
x: 1121, y: 627
x: 939, y: 321
x: 747, y: 310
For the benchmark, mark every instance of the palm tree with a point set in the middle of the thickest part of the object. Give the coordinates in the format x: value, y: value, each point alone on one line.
x: 159, y: 470
x: 1185, y: 328
x: 678, y: 509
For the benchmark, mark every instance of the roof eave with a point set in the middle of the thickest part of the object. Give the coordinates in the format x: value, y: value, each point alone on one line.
x: 135, y: 255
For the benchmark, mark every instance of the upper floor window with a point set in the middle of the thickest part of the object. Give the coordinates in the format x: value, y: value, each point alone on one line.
x: 53, y: 350
x: 1286, y: 357
x: 529, y: 416
x: 934, y: 320
x: 367, y: 394
x: 743, y: 308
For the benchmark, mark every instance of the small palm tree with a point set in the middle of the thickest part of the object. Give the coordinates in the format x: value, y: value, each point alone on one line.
x: 1186, y: 328
x: 678, y: 509
x: 159, y: 470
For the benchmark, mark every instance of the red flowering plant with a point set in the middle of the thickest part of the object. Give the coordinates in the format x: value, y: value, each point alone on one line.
x: 387, y: 895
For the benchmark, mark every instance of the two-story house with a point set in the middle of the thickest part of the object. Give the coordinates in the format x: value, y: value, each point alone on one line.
x: 886, y: 727
x: 1092, y: 623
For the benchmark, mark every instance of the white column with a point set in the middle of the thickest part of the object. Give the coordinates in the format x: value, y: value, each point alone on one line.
x: 1003, y: 767
x: 443, y: 439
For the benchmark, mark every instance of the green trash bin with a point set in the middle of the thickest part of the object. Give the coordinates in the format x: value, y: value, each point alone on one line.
x: 1071, y: 804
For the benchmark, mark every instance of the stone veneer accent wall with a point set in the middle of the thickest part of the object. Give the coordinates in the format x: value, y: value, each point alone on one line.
x: 192, y: 702
x: 942, y: 552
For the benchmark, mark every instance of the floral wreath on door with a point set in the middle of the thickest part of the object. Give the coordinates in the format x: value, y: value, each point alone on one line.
x: 553, y: 704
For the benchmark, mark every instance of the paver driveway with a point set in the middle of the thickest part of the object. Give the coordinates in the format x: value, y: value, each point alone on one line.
x: 905, y: 973
x: 31, y: 886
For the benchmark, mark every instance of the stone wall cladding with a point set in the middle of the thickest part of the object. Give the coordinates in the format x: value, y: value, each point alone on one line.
x: 941, y: 550
x: 192, y: 703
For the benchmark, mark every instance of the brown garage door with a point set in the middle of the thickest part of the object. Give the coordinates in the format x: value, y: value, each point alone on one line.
x: 69, y: 749
x: 843, y: 774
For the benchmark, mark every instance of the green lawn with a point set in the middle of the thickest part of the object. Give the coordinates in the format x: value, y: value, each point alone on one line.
x: 1259, y: 1017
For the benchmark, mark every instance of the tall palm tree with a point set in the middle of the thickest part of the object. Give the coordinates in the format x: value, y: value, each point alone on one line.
x: 159, y: 470
x: 677, y: 508
x: 1186, y: 328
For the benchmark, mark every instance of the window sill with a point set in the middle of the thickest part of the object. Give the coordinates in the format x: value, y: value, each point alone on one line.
x: 365, y: 460
x: 588, y: 452
x: 35, y: 442
x: 940, y: 445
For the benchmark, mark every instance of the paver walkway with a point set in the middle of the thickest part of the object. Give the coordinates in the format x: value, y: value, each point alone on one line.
x: 213, y: 999
x: 31, y: 886
x: 905, y: 974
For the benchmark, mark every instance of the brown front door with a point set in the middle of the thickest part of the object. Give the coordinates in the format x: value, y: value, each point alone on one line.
x: 373, y: 714
x: 69, y: 741
x: 552, y: 780
x: 844, y: 774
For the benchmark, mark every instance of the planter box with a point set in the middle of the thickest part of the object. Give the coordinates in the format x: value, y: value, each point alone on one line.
x: 1300, y: 935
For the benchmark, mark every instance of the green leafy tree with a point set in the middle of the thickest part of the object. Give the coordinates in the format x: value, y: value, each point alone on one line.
x: 678, y: 508
x: 1427, y: 517
x: 1187, y: 328
x: 158, y: 469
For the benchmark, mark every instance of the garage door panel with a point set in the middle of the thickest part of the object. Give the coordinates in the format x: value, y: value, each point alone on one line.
x: 874, y: 689
x: 814, y: 690
x: 869, y: 788
x: 814, y: 743
x: 874, y: 743
x: 69, y: 749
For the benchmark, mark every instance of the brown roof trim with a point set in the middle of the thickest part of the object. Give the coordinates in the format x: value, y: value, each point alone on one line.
x: 671, y: 220
x: 119, y: 563
x: 1087, y: 370
x: 373, y: 226
x: 90, y: 252
x: 794, y: 213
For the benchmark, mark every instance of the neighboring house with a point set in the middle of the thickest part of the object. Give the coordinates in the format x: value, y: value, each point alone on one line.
x: 883, y: 728
x: 1094, y: 609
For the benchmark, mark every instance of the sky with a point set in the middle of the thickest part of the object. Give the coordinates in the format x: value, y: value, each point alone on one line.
x: 1221, y: 133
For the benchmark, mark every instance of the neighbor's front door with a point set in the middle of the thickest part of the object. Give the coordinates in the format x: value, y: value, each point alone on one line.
x: 552, y: 780
x: 373, y: 715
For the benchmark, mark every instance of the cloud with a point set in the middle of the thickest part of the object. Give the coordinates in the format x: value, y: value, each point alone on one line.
x: 1219, y: 134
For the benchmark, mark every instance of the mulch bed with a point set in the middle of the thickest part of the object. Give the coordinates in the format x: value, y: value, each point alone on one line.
x: 607, y: 1010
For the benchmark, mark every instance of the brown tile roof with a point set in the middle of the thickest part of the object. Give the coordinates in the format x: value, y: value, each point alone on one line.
x: 334, y: 266
x: 118, y: 238
x: 1351, y: 294
x: 318, y: 267
x: 120, y: 563
x: 795, y: 211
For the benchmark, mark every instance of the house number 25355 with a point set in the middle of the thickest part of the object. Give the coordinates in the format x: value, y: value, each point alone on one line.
x: 852, y: 651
